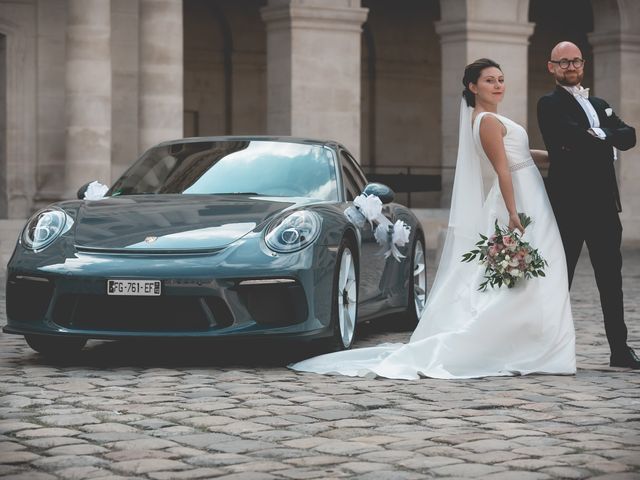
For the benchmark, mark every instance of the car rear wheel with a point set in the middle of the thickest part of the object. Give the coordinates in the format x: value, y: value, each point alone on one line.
x: 344, y: 309
x: 53, y: 346
x: 417, y: 285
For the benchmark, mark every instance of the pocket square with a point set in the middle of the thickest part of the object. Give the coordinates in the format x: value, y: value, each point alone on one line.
x: 608, y: 111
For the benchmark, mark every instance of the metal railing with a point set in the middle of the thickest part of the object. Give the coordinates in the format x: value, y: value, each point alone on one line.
x: 412, y: 179
x: 408, y: 179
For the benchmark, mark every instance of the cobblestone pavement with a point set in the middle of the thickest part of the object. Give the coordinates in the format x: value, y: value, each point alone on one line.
x: 187, y: 411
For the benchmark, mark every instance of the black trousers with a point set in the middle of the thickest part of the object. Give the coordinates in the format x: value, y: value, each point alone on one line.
x: 601, y: 230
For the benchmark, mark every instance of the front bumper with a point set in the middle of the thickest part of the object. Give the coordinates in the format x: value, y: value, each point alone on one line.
x: 203, y: 295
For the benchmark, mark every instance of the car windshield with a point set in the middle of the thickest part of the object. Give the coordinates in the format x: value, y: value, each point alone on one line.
x: 259, y: 167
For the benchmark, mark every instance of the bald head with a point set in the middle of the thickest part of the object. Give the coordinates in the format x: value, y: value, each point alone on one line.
x: 565, y: 50
x: 566, y: 64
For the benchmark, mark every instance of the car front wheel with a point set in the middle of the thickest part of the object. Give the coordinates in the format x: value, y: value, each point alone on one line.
x: 417, y: 285
x: 344, y: 309
x: 54, y: 346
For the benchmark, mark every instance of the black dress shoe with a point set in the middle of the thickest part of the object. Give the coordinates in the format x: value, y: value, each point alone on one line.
x: 625, y: 359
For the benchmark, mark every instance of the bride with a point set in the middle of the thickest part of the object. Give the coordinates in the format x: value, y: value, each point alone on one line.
x: 465, y: 333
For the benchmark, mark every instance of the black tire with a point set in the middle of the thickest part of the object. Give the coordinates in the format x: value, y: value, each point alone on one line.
x: 55, y: 346
x: 410, y: 318
x: 336, y: 342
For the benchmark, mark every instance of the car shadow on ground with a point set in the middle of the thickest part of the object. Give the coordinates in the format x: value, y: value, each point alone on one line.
x: 211, y: 352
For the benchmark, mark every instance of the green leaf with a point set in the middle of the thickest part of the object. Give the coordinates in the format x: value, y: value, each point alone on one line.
x: 525, y: 219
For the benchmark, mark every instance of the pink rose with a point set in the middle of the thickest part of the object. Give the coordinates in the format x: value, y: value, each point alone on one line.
x: 508, y: 241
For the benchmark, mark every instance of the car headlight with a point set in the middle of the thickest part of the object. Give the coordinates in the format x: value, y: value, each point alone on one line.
x: 44, y: 227
x: 294, y: 232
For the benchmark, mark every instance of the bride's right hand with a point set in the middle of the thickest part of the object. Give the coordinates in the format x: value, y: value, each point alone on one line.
x: 514, y: 223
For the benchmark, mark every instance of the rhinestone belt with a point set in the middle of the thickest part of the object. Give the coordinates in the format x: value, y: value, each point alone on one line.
x: 525, y: 164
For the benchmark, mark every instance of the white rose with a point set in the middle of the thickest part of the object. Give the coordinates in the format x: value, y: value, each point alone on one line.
x: 401, y: 233
x: 95, y: 191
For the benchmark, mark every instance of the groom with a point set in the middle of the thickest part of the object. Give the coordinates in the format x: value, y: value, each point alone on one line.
x: 581, y: 134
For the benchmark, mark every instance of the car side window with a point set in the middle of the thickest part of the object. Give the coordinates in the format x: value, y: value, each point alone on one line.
x: 352, y: 189
x: 356, y: 171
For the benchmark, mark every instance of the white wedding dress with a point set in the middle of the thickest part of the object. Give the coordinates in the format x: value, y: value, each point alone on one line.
x: 465, y: 333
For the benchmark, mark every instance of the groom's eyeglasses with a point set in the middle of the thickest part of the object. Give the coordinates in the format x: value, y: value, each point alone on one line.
x: 564, y: 62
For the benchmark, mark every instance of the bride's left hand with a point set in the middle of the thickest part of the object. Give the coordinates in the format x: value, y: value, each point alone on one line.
x: 514, y: 223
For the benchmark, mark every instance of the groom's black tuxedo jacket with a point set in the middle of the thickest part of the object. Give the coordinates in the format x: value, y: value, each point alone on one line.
x: 581, y: 170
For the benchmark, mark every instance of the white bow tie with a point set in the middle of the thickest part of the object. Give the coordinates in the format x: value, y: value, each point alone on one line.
x: 581, y: 92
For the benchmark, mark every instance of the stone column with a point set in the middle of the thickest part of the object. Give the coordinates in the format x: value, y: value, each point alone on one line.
x: 88, y: 94
x: 124, y: 82
x: 616, y: 63
x: 161, y: 95
x: 472, y: 29
x: 313, y: 69
x: 18, y: 30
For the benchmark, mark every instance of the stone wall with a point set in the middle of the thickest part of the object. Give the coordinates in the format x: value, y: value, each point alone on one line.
x: 300, y: 67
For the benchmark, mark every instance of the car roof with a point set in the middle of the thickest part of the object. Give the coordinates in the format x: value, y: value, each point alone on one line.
x: 247, y: 138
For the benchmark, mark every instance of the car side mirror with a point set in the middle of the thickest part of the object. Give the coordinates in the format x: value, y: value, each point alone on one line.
x: 380, y: 190
x: 82, y: 190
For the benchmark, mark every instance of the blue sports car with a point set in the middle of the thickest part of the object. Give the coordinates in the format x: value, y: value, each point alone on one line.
x: 217, y: 237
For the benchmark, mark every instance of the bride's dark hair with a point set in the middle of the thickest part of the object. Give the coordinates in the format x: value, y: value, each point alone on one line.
x: 471, y: 75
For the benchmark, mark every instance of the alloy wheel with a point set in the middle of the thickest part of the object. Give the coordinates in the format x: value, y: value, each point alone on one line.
x: 347, y: 298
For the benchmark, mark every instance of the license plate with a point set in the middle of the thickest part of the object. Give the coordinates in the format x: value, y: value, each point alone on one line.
x: 144, y: 288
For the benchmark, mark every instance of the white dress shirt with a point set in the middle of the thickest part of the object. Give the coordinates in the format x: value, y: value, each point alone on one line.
x: 580, y: 95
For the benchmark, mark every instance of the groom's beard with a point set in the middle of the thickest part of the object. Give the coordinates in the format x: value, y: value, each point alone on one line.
x: 570, y: 79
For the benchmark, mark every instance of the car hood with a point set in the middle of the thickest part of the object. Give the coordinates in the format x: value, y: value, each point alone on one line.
x: 172, y: 222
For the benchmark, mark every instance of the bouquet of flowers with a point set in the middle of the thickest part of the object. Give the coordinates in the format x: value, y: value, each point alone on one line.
x: 506, y: 257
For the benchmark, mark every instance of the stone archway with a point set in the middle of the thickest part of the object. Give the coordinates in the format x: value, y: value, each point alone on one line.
x: 225, y: 63
x: 204, y: 69
x: 400, y: 92
x: 570, y: 20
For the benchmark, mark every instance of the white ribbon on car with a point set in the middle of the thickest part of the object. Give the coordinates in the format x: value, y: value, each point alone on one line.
x: 370, y: 206
x: 388, y: 235
x: 95, y: 191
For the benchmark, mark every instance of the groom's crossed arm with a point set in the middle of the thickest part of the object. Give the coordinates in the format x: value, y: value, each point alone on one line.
x: 559, y: 130
x: 562, y: 132
x: 618, y: 133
